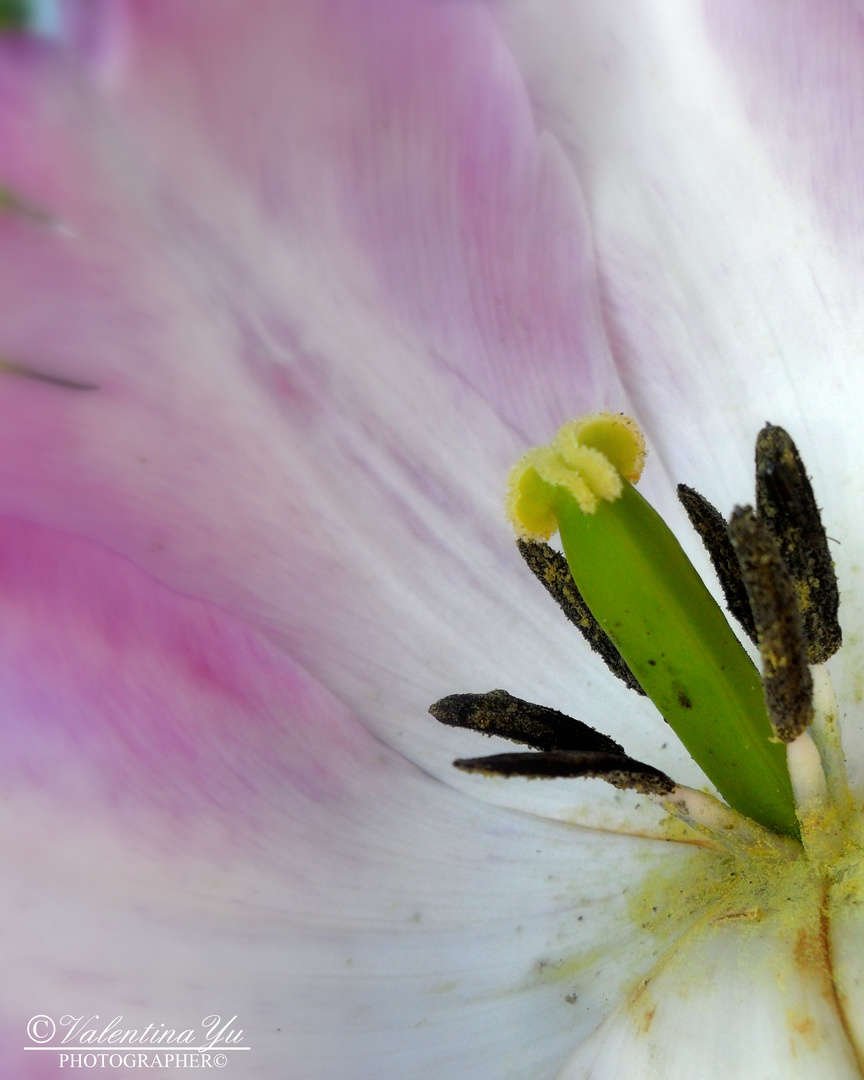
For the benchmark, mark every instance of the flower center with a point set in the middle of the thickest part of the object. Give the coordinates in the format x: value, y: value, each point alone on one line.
x: 625, y: 581
x: 779, y: 879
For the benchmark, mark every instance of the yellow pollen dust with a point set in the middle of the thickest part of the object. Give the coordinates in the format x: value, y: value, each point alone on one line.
x: 587, y: 459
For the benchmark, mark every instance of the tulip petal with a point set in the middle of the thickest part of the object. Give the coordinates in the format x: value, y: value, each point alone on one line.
x: 397, y: 138
x: 747, y: 993
x: 846, y: 940
x: 302, y: 415
x: 798, y: 70
x: 192, y: 825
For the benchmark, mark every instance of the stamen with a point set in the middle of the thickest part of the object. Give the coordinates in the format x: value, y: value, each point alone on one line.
x: 825, y: 730
x: 711, y: 526
x: 726, y: 827
x: 807, y: 776
x: 708, y: 816
x: 616, y: 769
x: 782, y: 646
x: 499, y: 713
x: 785, y: 502
x: 551, y: 570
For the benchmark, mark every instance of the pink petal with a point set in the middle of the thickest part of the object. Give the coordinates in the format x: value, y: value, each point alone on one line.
x: 396, y: 139
x: 192, y: 825
x: 319, y: 340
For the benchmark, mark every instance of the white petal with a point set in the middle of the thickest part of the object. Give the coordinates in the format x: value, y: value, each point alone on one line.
x: 191, y: 824
x: 746, y: 994
x: 845, y: 910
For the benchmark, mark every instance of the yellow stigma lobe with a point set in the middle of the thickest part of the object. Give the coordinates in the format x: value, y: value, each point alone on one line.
x: 587, y: 459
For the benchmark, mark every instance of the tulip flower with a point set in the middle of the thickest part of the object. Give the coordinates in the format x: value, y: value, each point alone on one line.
x: 286, y: 290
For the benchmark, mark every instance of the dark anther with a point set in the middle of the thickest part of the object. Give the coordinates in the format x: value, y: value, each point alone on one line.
x: 551, y: 570
x: 785, y: 502
x: 782, y: 644
x: 499, y: 713
x: 615, y: 769
x: 710, y: 524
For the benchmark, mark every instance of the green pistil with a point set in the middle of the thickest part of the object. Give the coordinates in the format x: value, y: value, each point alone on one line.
x: 645, y: 594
